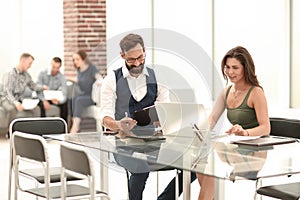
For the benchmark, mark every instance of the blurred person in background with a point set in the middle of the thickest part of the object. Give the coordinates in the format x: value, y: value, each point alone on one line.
x: 87, y: 74
x: 55, y: 80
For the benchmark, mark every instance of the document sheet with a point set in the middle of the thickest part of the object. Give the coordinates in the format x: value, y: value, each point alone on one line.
x: 53, y: 94
x: 29, y: 104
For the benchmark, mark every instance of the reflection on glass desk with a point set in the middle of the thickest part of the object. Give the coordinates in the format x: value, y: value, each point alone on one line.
x: 218, y: 159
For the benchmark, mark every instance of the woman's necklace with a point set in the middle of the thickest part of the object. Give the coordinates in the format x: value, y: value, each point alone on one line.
x: 237, y: 93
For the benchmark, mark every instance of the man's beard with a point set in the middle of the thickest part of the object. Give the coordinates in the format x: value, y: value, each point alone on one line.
x: 135, y: 69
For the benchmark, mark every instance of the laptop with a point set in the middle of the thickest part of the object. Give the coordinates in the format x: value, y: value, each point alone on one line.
x: 174, y: 116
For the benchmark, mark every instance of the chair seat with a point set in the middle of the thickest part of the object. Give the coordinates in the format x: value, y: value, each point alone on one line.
x: 72, y: 191
x: 39, y: 174
x: 289, y: 191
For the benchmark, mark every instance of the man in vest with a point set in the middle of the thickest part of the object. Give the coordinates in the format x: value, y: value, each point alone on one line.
x: 125, y: 90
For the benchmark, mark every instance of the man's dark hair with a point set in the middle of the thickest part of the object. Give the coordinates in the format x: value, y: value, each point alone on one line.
x: 57, y: 60
x: 130, y: 41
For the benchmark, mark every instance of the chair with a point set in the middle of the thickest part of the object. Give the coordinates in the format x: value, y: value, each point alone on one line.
x: 285, y: 127
x: 36, y: 126
x: 75, y: 159
x: 288, y: 128
x: 33, y: 149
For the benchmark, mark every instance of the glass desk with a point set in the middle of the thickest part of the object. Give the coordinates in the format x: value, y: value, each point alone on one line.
x: 212, y: 157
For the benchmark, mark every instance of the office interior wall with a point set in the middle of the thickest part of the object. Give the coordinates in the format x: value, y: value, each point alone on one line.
x: 263, y: 28
x: 132, y: 16
x: 186, y: 62
x: 217, y: 26
x: 123, y: 17
x: 295, y: 58
x: 9, y: 32
x: 28, y: 29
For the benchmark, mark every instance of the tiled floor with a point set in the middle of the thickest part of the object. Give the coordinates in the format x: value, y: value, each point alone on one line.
x: 117, y: 184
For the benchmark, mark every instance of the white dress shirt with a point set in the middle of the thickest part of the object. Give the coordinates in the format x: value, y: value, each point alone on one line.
x: 137, y: 86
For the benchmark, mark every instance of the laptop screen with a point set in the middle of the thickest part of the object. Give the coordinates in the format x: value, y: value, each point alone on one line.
x: 174, y: 116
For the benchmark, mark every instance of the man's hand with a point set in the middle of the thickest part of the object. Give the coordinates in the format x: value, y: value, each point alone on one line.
x: 124, y: 134
x: 19, y: 106
x: 45, y: 87
x: 46, y: 105
x: 55, y: 101
x: 126, y: 124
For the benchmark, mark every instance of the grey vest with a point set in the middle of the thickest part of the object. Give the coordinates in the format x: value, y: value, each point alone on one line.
x: 125, y: 101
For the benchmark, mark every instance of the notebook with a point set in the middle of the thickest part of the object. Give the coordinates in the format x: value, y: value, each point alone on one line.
x: 265, y: 141
x: 174, y: 116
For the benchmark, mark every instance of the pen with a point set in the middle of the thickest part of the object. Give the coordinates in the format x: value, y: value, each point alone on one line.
x: 198, y: 132
x: 198, y: 135
x: 148, y: 107
x: 126, y: 116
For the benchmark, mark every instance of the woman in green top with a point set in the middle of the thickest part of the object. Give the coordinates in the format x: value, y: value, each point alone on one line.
x: 245, y: 102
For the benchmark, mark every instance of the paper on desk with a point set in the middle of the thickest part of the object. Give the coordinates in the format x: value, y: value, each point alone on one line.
x: 231, y: 138
x: 53, y: 94
x: 29, y: 104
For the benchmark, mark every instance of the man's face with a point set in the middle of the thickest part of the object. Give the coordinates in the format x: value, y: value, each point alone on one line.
x: 26, y: 63
x: 134, y: 60
x: 55, y: 66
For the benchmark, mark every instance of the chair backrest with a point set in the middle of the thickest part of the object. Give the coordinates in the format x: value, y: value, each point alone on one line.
x: 39, y: 125
x: 285, y: 127
x: 29, y: 146
x: 75, y: 159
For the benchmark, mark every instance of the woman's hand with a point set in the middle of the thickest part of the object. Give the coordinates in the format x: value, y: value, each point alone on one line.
x: 237, y: 130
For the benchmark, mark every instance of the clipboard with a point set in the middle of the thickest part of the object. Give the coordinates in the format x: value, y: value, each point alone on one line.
x: 265, y: 141
x: 146, y: 116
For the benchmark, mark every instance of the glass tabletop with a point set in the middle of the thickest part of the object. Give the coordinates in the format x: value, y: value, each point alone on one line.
x: 211, y: 157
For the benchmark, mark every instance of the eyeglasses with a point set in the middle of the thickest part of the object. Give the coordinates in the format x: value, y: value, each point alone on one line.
x: 140, y: 59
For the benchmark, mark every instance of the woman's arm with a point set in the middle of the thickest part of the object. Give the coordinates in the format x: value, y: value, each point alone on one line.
x: 73, y: 79
x: 258, y: 101
x: 217, y: 110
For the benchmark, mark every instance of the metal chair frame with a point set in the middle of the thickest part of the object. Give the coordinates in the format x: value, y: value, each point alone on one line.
x: 287, y: 128
x: 36, y: 126
x: 76, y: 160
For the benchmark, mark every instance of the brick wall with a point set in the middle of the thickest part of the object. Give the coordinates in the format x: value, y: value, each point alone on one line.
x: 85, y: 29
